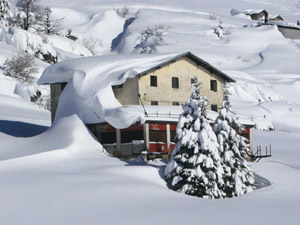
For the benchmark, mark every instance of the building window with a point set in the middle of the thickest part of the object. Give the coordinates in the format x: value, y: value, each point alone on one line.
x: 63, y: 85
x: 154, y: 102
x: 213, y: 85
x: 117, y: 86
x: 175, y: 103
x: 214, y: 108
x: 175, y: 82
x: 153, y: 81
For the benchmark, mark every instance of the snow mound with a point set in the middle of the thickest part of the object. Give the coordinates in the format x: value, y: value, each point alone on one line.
x: 67, y: 134
x: 104, y: 26
x: 26, y: 41
x: 74, y: 135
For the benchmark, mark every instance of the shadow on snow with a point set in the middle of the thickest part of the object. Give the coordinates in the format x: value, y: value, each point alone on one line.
x: 21, y: 129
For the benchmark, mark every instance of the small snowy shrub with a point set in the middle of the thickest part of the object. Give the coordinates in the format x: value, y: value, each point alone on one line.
x: 47, y: 57
x: 70, y: 35
x: 295, y: 43
x: 150, y: 39
x: 123, y: 12
x: 21, y: 67
x: 212, y: 16
x: 221, y: 32
x: 195, y: 167
x: 238, y: 176
x: 44, y: 102
x: 91, y: 43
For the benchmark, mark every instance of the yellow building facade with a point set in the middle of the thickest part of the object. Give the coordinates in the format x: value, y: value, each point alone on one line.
x: 169, y: 84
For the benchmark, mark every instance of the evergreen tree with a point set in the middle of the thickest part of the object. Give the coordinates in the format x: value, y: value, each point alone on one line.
x: 4, y: 11
x: 195, y: 165
x: 50, y: 26
x: 28, y: 15
x: 238, y: 177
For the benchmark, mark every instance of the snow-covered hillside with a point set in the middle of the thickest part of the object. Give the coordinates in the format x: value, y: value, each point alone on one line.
x: 264, y: 63
x: 63, y: 176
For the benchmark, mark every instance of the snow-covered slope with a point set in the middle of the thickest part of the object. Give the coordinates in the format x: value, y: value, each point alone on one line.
x: 264, y: 63
x: 63, y: 177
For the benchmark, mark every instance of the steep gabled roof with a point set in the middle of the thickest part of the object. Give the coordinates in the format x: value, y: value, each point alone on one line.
x: 195, y: 59
x: 130, y: 64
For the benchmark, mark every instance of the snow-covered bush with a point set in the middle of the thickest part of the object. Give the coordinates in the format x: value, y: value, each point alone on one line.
x: 150, y: 39
x: 220, y: 31
x: 32, y: 93
x: 70, y: 35
x: 47, y: 57
x: 44, y: 102
x: 4, y: 11
x: 195, y: 167
x: 238, y: 176
x: 21, y: 67
x: 91, y: 43
x: 212, y: 16
x: 123, y: 12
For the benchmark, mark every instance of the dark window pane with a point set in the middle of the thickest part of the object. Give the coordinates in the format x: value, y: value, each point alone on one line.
x: 154, y: 102
x: 213, y: 85
x: 63, y: 85
x: 175, y: 103
x: 175, y: 82
x: 214, y: 108
x: 129, y: 136
x: 158, y: 136
x: 109, y: 138
x: 117, y: 86
x: 153, y: 81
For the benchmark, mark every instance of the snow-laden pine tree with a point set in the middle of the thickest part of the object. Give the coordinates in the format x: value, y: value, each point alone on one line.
x: 238, y: 176
x: 195, y: 165
x: 48, y: 25
x: 4, y: 11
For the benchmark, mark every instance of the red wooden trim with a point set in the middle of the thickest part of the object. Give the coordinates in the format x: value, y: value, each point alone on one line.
x: 173, y: 127
x: 157, y: 147
x: 157, y: 126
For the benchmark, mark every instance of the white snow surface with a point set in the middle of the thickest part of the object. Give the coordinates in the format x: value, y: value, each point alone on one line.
x: 63, y: 177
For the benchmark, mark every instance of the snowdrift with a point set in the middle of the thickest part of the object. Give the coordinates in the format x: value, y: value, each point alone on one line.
x: 67, y: 134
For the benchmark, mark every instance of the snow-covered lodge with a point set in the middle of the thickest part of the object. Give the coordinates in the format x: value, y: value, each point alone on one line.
x: 131, y: 103
x: 288, y: 30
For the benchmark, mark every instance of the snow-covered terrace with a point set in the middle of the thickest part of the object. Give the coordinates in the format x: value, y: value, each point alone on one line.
x: 171, y: 114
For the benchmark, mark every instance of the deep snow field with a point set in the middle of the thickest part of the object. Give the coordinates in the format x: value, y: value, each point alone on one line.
x: 61, y: 175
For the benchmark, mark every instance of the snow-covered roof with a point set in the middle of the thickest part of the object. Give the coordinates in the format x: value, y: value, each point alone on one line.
x: 110, y: 65
x: 89, y: 91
